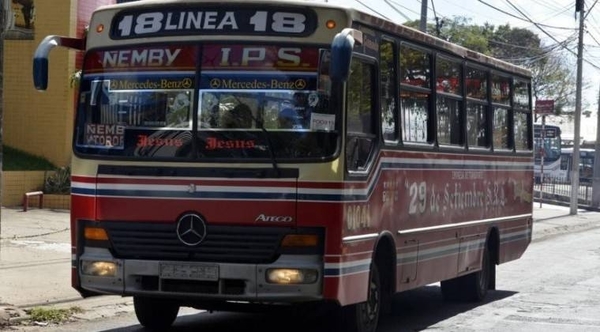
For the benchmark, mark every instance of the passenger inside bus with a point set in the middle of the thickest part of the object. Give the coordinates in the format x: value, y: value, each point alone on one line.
x: 238, y: 117
x: 289, y: 118
x: 305, y: 104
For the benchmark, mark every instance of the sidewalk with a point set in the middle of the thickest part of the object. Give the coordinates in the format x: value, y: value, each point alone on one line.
x: 35, y: 265
x: 35, y: 258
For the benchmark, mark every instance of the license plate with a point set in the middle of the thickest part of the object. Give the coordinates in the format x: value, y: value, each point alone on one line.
x: 189, y: 271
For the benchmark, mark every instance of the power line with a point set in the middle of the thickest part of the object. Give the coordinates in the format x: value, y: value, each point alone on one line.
x: 393, y: 4
x: 523, y: 19
x: 549, y: 48
x: 590, y: 10
x: 550, y: 5
x: 438, y: 25
x: 374, y: 11
x: 537, y: 25
x: 465, y: 9
x: 592, y: 36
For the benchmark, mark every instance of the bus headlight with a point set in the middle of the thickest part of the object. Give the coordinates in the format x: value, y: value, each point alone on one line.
x: 99, y: 269
x: 292, y: 276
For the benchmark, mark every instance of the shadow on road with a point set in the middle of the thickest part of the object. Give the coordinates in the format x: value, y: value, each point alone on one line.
x: 421, y: 308
x: 413, y: 310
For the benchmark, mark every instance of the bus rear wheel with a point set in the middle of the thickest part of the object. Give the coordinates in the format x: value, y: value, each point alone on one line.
x: 155, y: 314
x: 471, y: 287
x: 364, y: 317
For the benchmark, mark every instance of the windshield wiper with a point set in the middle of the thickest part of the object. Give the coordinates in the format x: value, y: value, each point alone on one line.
x: 269, y: 142
x: 270, y: 145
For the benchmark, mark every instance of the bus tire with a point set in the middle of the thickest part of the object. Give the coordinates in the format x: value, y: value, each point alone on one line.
x: 471, y: 287
x: 364, y: 317
x: 155, y: 314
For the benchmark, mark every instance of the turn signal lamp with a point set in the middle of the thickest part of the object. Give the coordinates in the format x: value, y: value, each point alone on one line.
x: 99, y: 28
x: 95, y: 233
x: 300, y: 240
x: 330, y: 24
x: 99, y: 269
x: 292, y: 276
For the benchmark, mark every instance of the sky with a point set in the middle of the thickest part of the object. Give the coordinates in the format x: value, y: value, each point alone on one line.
x: 554, y: 21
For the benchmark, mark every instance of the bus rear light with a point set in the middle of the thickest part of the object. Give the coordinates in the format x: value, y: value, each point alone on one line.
x: 298, y: 240
x: 95, y: 233
x: 99, y: 268
x: 292, y: 276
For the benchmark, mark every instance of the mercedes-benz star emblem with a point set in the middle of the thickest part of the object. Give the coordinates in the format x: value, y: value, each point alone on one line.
x: 191, y: 229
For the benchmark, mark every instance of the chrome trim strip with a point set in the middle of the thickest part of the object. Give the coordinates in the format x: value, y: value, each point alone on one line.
x: 463, y: 224
x: 363, y: 237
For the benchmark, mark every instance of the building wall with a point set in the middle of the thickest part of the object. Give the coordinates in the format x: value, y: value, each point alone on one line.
x: 41, y: 123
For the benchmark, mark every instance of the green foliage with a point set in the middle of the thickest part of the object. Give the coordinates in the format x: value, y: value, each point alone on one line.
x: 17, y: 160
x: 59, y: 182
x: 52, y: 315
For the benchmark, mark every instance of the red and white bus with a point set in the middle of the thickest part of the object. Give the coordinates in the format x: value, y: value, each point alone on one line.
x: 231, y: 154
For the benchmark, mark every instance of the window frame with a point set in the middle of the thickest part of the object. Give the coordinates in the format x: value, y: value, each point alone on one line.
x: 363, y: 170
x: 430, y: 92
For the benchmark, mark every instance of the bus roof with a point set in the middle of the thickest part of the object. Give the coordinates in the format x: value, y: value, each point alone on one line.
x: 366, y: 17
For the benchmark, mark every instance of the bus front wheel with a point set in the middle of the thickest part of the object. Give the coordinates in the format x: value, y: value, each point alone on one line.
x: 155, y: 314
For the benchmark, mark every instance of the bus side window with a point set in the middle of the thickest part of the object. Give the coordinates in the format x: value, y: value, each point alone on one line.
x: 478, y: 134
x: 415, y: 94
x: 361, y: 115
x: 389, y: 105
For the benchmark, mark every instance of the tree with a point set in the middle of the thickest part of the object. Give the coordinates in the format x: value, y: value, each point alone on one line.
x: 459, y: 31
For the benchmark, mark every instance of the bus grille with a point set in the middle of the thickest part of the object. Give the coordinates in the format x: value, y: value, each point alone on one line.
x: 229, y: 244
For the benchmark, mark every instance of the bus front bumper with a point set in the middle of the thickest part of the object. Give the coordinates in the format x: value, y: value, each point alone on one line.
x: 203, y: 281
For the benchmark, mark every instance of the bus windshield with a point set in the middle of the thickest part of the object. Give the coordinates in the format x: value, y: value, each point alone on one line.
x: 207, y: 102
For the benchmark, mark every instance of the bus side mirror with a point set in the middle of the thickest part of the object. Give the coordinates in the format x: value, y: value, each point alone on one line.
x: 341, y: 53
x: 40, y: 57
x: 40, y: 73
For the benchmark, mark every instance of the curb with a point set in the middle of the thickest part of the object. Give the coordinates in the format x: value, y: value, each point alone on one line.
x: 11, y: 315
x: 92, y: 308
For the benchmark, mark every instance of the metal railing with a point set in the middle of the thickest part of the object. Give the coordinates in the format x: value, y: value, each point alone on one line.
x: 558, y: 191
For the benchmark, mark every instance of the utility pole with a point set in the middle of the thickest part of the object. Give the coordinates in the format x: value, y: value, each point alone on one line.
x: 596, y: 176
x: 423, y: 22
x: 579, y: 6
x: 2, y: 27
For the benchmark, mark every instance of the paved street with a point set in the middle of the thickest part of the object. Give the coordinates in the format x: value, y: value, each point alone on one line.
x: 35, y: 263
x: 35, y: 259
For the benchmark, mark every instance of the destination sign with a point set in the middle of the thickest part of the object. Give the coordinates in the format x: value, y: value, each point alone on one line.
x: 256, y: 57
x: 160, y: 58
x: 211, y: 20
x: 104, y: 135
x: 549, y: 133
